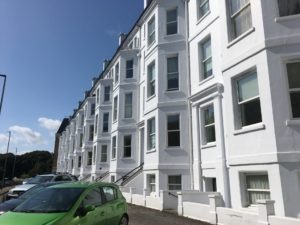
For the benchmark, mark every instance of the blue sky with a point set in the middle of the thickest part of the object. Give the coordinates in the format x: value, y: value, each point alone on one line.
x: 50, y: 50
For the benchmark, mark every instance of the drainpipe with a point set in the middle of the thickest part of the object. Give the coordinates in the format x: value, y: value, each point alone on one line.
x: 191, y: 159
x: 223, y: 151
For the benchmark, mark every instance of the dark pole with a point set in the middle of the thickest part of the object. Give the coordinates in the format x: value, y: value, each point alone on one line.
x: 2, y: 95
x: 13, y: 172
x: 5, y: 163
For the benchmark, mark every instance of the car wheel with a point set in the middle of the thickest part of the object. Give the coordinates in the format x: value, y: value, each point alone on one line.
x: 124, y: 221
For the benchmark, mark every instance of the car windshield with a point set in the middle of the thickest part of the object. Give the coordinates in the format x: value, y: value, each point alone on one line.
x: 51, y: 200
x: 31, y: 191
x: 40, y: 179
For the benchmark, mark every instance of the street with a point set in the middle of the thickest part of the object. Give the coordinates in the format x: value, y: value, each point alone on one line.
x: 143, y: 216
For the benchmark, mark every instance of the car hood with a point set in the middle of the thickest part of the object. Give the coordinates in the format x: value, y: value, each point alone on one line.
x: 23, y: 187
x: 17, y: 218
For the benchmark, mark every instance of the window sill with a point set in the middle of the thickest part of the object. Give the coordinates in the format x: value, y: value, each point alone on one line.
x: 172, y: 35
x: 129, y: 119
x: 206, y: 80
x: 174, y: 148
x: 151, y: 97
x: 115, y: 121
x: 175, y: 91
x: 209, y: 145
x: 150, y: 151
x: 127, y: 158
x: 113, y: 159
x: 202, y: 17
x: 150, y: 45
x: 250, y: 128
x: 242, y: 36
x: 287, y: 18
x: 292, y: 122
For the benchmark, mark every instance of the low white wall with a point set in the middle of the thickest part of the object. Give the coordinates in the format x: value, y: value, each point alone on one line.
x: 196, y: 196
x: 275, y: 220
x: 154, y: 203
x: 197, y: 211
x: 228, y: 216
x: 169, y: 199
x: 138, y: 199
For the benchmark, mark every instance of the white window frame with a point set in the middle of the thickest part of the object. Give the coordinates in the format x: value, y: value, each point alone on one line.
x: 151, y: 33
x: 151, y: 68
x: 173, y: 131
x: 172, y: 22
x: 114, y: 147
x: 173, y: 73
x: 91, y: 132
x: 128, y: 106
x: 203, y: 111
x: 151, y: 136
x: 115, y: 109
x: 292, y: 90
x: 240, y: 122
x: 127, y: 146
x: 174, y: 184
x: 98, y: 96
x: 105, y: 122
x: 96, y: 124
x: 200, y: 5
x: 233, y: 32
x: 129, y: 70
x: 106, y: 93
x: 151, y: 184
x: 89, y: 158
x: 117, y: 73
x: 94, y: 154
x: 104, y: 153
x: 205, y: 61
x: 249, y: 190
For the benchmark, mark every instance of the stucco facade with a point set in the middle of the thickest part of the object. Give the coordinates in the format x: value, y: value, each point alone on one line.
x: 203, y: 95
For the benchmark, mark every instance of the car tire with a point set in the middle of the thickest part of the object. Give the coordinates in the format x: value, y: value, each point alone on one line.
x: 124, y: 221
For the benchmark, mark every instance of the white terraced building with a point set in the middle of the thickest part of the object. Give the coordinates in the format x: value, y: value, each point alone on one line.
x: 200, y: 95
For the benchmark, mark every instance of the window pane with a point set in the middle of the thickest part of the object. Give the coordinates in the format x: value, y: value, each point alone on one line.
x: 206, y: 49
x: 295, y: 102
x: 173, y: 122
x: 251, y: 113
x: 128, y: 105
x: 172, y: 15
x: 129, y: 69
x: 173, y: 138
x: 210, y: 134
x: 209, y: 115
x: 172, y: 65
x: 236, y: 5
x: 106, y: 93
x: 242, y: 22
x: 294, y: 74
x: 288, y: 7
x: 203, y: 8
x: 105, y: 122
x: 248, y: 87
x: 104, y: 153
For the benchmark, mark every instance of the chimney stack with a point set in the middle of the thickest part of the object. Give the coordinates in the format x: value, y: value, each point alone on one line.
x: 105, y: 63
x: 122, y: 37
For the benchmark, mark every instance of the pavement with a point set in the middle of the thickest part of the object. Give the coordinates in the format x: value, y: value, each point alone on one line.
x: 144, y: 216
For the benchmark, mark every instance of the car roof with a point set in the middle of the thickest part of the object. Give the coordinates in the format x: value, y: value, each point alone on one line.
x: 82, y: 185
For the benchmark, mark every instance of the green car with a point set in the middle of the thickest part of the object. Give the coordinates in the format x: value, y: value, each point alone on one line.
x: 71, y: 204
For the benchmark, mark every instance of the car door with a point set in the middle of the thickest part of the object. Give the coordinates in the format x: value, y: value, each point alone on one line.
x: 95, y: 217
x: 114, y: 207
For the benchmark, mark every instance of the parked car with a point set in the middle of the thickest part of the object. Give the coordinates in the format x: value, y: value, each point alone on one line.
x: 72, y: 204
x: 20, y: 189
x: 13, y: 203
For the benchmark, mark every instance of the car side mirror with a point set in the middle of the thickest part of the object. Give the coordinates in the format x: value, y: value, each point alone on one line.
x: 82, y: 211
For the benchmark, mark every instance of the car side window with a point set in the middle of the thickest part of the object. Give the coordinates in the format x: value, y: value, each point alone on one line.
x: 58, y: 178
x: 93, y: 198
x: 110, y: 193
x: 66, y: 178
